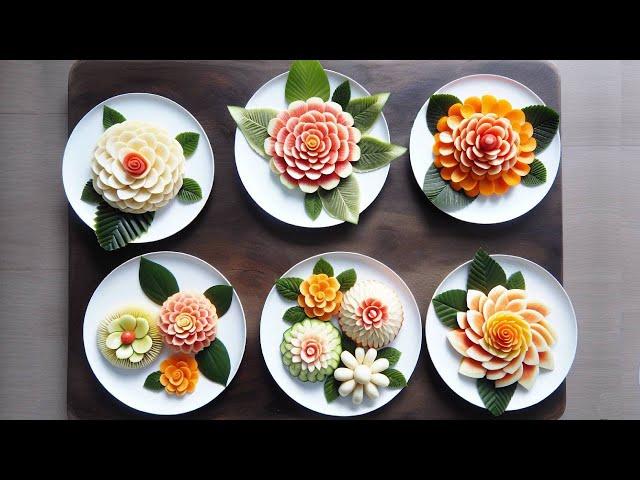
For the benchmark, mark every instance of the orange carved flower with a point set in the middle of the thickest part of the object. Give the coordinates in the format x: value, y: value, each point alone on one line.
x: 179, y: 374
x: 320, y: 296
x: 483, y: 146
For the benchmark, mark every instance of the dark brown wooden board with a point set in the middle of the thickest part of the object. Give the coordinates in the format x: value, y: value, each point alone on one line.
x: 401, y: 228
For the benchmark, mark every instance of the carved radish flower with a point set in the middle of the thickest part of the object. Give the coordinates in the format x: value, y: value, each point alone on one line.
x: 312, y: 145
x: 361, y: 374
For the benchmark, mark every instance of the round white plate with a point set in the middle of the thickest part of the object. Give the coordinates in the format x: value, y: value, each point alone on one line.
x: 311, y: 395
x: 493, y: 209
x: 76, y: 167
x: 540, y: 284
x: 265, y: 187
x: 121, y: 288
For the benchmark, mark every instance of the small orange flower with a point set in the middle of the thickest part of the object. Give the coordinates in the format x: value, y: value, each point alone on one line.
x: 320, y: 296
x: 483, y: 146
x: 179, y: 374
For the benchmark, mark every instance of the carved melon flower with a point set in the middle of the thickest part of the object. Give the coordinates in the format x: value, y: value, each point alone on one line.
x: 188, y: 322
x: 320, y: 296
x: 371, y: 314
x: 483, y: 146
x: 311, y: 350
x: 312, y: 145
x: 361, y: 374
x: 504, y: 337
x: 137, y: 166
x: 179, y: 374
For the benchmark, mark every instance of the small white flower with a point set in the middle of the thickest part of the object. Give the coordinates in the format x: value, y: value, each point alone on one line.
x: 361, y: 374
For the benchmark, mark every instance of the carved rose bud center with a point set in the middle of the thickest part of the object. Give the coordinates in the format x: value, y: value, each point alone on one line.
x: 184, y: 321
x: 127, y: 338
x: 312, y: 142
x: 310, y: 351
x: 134, y: 164
x: 488, y: 142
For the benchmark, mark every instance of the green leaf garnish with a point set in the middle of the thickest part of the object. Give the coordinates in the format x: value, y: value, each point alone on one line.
x: 111, y: 117
x: 438, y: 107
x: 536, y: 176
x: 396, y: 378
x: 485, y: 273
x: 115, y: 229
x: 343, y: 202
x: 221, y: 296
x: 545, y: 122
x: 342, y: 94
x: 376, y: 154
x: 347, y: 344
x: 448, y: 304
x: 516, y: 280
x: 440, y: 193
x: 214, y: 363
x: 294, y: 315
x: 89, y: 194
x: 322, y: 266
x: 188, y: 141
x: 253, y: 124
x: 306, y: 79
x: 331, y: 389
x: 391, y: 354
x: 152, y: 382
x: 312, y: 205
x: 289, y: 287
x: 156, y: 281
x: 365, y: 110
x: 190, y: 191
x: 495, y: 399
x: 347, y: 279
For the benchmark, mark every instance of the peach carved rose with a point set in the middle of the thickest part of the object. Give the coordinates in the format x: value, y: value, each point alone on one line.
x: 312, y: 145
x: 504, y: 336
x: 188, y: 322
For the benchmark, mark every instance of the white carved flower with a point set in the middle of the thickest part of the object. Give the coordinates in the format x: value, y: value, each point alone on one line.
x: 361, y: 374
x: 137, y: 166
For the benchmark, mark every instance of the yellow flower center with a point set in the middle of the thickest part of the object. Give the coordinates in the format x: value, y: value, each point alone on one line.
x: 506, y: 333
x: 184, y: 321
x: 312, y: 142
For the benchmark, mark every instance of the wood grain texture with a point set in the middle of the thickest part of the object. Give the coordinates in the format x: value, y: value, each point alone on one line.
x: 401, y: 228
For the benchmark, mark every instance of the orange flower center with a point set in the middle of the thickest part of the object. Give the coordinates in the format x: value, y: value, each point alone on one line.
x: 127, y: 337
x: 134, y: 164
x: 312, y: 142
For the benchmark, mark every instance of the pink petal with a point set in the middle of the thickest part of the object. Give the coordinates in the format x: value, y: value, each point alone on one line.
x: 343, y: 169
x: 329, y: 182
x: 307, y: 185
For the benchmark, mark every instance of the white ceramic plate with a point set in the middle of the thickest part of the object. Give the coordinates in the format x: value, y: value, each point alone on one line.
x: 540, y: 284
x: 518, y: 200
x: 311, y: 395
x: 265, y: 187
x: 76, y: 167
x: 121, y: 288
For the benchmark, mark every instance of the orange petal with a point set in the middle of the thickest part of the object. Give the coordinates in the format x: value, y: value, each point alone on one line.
x: 529, y: 146
x: 500, y: 186
x: 529, y: 374
x: 467, y: 111
x: 511, y: 178
x: 516, y: 116
x: 516, y: 126
x: 488, y: 104
x: 494, y: 176
x: 192, y: 386
x: 538, y: 307
x: 442, y: 124
x: 436, y: 148
x: 475, y: 103
x: 459, y: 341
x: 486, y: 187
x: 436, y: 161
x: 458, y: 175
x: 472, y: 368
x: 453, y: 121
x: 164, y: 380
x: 454, y: 110
x: 456, y: 186
x: 526, y: 129
x: 502, y: 108
x: 521, y: 168
x: 526, y: 157
x: 446, y: 172
x: 448, y: 161
x: 469, y: 183
x: 473, y: 192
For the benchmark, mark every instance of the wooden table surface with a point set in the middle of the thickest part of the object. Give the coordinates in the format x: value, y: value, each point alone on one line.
x: 600, y: 143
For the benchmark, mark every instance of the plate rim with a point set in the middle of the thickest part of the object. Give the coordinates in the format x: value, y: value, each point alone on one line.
x: 510, y: 80
x: 337, y: 222
x: 141, y: 239
x: 497, y: 256
x: 244, y: 330
x: 357, y: 254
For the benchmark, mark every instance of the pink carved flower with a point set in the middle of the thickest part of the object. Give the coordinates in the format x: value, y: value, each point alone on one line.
x: 371, y: 313
x: 188, y: 322
x: 312, y: 144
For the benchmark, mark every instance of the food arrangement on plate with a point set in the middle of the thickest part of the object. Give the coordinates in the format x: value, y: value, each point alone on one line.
x: 340, y: 334
x: 503, y: 333
x: 320, y: 140
x: 137, y: 168
x: 186, y: 326
x: 484, y: 146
